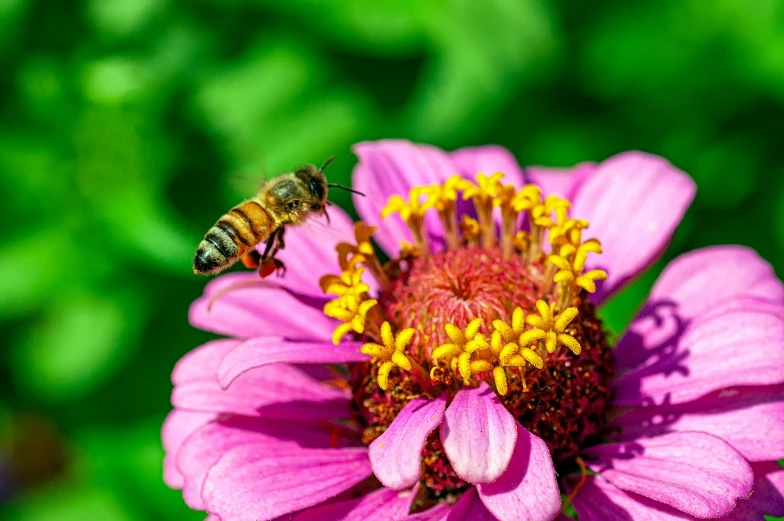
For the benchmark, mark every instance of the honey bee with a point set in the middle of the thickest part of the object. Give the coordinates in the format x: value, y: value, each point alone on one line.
x: 285, y: 200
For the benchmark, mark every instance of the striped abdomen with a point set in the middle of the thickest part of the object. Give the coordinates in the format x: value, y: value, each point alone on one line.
x: 246, y: 225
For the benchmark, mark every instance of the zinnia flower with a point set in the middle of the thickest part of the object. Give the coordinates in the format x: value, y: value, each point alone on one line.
x: 469, y: 377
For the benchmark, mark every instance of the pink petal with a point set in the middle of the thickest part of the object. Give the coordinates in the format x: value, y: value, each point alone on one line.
x: 488, y: 159
x: 243, y: 305
x: 691, y: 285
x: 396, y: 455
x: 633, y: 202
x: 478, y: 434
x: 177, y: 426
x: 437, y: 513
x: 727, y: 414
x: 310, y: 253
x: 730, y: 346
x: 390, y: 167
x: 274, y: 391
x: 598, y: 500
x: 251, y: 483
x: 563, y: 182
x: 528, y: 489
x: 382, y: 505
x: 199, y: 364
x: 206, y: 446
x: 469, y: 508
x: 694, y: 472
x: 258, y: 352
x: 768, y: 495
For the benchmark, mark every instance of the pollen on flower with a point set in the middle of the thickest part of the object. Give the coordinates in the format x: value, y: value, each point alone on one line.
x: 503, y: 302
x: 412, y: 212
x: 549, y: 328
x: 458, y: 352
x: 485, y: 194
x: 470, y: 229
x: 390, y: 353
x: 353, y: 303
x: 570, y: 262
x: 352, y: 311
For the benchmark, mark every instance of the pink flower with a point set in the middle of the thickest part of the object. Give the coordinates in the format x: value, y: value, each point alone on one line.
x: 440, y: 399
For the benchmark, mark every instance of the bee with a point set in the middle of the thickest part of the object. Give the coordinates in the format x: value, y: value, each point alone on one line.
x: 285, y: 200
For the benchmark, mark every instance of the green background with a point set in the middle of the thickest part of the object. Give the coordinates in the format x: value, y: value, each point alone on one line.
x: 128, y: 126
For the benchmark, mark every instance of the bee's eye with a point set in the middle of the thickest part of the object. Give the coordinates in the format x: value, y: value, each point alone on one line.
x: 315, y: 208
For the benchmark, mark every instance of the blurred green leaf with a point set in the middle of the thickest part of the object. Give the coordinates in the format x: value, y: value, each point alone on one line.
x: 486, y: 52
x: 344, y: 112
x: 386, y: 28
x: 235, y: 101
x: 129, y: 461
x: 116, y: 79
x: 79, y: 343
x: 122, y: 17
x: 11, y: 15
x: 66, y: 502
x: 41, y: 84
x: 31, y: 271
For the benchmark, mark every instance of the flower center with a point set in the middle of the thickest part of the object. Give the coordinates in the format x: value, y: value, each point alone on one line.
x: 490, y: 309
x: 455, y: 287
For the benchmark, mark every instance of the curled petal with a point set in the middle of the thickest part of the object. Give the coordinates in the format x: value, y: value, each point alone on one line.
x: 478, y: 435
x: 396, y: 454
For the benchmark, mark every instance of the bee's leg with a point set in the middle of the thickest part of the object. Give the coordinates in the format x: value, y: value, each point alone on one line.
x: 326, y: 215
x: 268, y: 247
x: 251, y: 259
x: 280, y: 268
x: 271, y: 265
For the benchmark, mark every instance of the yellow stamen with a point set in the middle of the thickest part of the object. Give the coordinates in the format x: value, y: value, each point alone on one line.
x: 469, y: 353
x: 350, y: 309
x: 443, y: 198
x: 504, y: 200
x: 567, y: 231
x: 349, y: 280
x: 510, y: 334
x: 464, y: 343
x: 501, y: 383
x: 413, y: 213
x: 390, y: 354
x: 550, y: 328
x: 570, y: 262
x: 528, y: 198
x: 483, y: 193
x: 349, y: 255
x: 522, y: 241
x: 461, y: 340
x: 470, y: 229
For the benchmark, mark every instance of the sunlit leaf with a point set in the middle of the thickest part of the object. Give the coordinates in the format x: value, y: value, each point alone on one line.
x: 122, y: 17
x: 68, y: 502
x: 81, y: 340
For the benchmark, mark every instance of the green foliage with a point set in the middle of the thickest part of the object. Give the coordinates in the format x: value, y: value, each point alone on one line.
x: 128, y: 126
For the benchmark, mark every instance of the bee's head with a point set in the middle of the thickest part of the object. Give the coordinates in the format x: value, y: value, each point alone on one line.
x: 315, y: 182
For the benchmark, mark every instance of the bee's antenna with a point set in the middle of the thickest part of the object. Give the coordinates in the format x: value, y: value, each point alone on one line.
x: 326, y: 163
x: 346, y: 188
